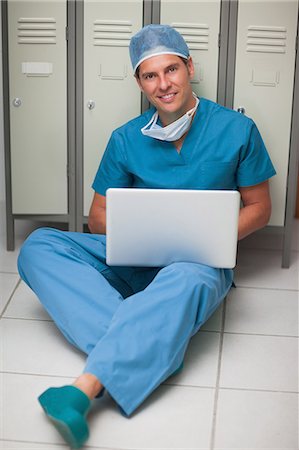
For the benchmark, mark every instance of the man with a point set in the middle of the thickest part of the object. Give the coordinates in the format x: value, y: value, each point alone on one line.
x: 135, y: 323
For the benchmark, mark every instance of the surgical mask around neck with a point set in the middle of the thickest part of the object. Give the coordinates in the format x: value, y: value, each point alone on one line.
x: 174, y: 130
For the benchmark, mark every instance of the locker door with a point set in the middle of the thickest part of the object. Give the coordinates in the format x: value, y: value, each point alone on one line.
x: 111, y: 94
x: 37, y: 77
x: 264, y: 80
x: 199, y: 23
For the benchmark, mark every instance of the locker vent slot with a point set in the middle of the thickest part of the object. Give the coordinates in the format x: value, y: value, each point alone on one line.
x: 113, y: 33
x: 195, y: 34
x: 266, y: 39
x: 36, y: 31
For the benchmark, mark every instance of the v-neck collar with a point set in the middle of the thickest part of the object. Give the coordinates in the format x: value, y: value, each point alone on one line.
x: 184, y: 156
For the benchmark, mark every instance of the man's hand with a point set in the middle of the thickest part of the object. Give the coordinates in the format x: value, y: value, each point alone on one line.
x: 97, y: 215
x: 256, y: 209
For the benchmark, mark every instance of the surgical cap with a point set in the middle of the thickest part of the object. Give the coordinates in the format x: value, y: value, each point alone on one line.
x: 154, y: 40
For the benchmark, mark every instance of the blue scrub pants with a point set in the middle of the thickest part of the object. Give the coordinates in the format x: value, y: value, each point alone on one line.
x: 133, y: 323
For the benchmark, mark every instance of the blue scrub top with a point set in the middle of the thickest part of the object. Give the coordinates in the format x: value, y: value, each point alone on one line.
x: 222, y: 150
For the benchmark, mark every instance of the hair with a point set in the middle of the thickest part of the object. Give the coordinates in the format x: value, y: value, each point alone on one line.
x: 137, y: 71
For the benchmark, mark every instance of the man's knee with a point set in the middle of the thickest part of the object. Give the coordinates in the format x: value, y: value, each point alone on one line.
x: 35, y: 245
x: 191, y: 270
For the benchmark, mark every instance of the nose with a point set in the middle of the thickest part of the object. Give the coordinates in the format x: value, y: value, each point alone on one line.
x: 164, y: 82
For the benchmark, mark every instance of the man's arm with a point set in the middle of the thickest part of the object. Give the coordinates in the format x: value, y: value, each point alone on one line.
x: 97, y: 215
x: 256, y: 209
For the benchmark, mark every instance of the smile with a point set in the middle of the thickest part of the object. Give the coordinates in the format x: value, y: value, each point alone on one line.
x: 167, y: 97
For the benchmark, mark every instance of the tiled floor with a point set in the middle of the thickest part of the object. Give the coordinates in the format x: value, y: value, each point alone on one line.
x: 239, y: 388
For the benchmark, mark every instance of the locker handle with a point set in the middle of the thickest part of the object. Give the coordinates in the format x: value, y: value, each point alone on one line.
x: 17, y: 102
x: 91, y: 104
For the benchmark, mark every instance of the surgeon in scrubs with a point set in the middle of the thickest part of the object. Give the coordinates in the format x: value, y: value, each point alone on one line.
x: 134, y: 324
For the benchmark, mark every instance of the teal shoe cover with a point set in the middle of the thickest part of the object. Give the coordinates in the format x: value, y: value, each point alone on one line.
x: 67, y: 407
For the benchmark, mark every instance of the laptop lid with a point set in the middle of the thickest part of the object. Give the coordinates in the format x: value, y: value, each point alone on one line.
x: 155, y: 227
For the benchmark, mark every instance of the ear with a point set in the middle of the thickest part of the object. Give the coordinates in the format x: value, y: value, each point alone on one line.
x: 190, y: 68
x: 139, y: 83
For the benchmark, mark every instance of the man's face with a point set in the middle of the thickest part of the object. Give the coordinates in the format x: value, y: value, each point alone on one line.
x: 165, y: 80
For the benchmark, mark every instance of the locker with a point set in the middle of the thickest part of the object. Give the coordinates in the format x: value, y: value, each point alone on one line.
x: 111, y: 94
x: 38, y: 100
x: 199, y: 23
x: 264, y: 81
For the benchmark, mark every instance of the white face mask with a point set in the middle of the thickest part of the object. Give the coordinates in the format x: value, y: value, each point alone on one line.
x: 174, y: 130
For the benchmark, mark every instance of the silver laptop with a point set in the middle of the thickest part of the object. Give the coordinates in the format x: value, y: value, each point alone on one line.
x: 155, y: 227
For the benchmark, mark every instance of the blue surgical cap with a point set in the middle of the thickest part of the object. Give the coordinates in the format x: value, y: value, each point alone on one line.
x: 154, y: 40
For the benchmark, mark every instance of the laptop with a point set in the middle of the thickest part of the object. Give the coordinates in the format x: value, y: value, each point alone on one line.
x: 156, y: 227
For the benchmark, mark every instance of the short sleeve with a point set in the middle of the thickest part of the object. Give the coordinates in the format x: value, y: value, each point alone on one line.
x: 112, y: 171
x: 255, y: 165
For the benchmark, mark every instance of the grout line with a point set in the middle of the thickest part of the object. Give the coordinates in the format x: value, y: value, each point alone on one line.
x: 261, y: 334
x: 220, y: 388
x: 36, y: 443
x: 92, y: 447
x: 10, y: 297
x: 213, y: 430
x: 27, y: 319
x: 45, y: 375
x: 40, y: 375
x: 241, y: 286
x: 191, y: 386
x: 8, y: 273
x: 272, y: 391
x: 265, y: 288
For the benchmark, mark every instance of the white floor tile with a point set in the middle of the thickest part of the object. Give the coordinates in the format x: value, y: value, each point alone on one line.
x: 38, y: 347
x: 215, y: 321
x: 13, y: 445
x: 8, y: 260
x: 201, y: 361
x: 23, y: 418
x: 249, y: 420
x: 25, y: 305
x: 262, y: 269
x: 8, y: 282
x: 172, y: 418
x: 259, y: 362
x: 262, y: 311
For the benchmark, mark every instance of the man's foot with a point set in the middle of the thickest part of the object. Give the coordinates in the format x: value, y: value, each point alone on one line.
x: 67, y: 407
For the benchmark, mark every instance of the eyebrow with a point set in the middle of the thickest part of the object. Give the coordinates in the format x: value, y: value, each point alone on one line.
x: 145, y: 74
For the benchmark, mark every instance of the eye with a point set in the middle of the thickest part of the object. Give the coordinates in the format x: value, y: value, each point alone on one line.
x: 149, y: 76
x: 172, y: 69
